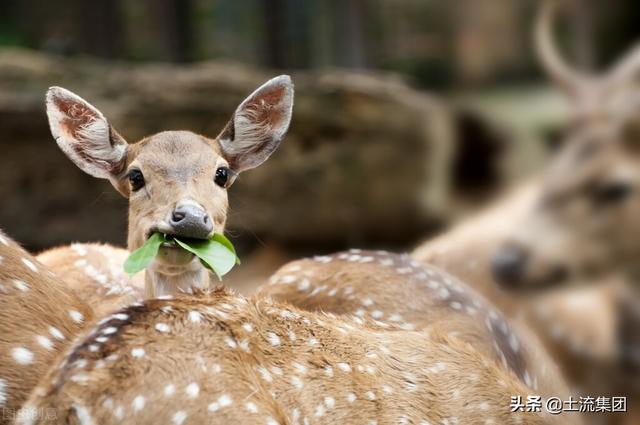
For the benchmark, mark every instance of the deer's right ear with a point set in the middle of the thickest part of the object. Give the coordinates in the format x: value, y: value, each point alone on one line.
x: 84, y: 134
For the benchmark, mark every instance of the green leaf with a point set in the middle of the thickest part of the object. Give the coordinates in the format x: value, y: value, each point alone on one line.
x: 143, y: 256
x: 216, y: 253
x: 227, y: 243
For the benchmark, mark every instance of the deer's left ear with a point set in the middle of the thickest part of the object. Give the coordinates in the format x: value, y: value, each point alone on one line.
x: 258, y: 125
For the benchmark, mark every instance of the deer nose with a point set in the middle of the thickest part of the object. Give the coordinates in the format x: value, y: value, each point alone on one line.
x: 191, y: 221
x: 508, y: 266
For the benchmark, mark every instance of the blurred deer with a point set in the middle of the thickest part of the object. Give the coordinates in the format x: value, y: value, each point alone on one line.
x: 577, y: 326
x: 176, y: 181
x: 394, y: 289
x: 219, y: 358
x: 39, y: 318
x: 585, y: 221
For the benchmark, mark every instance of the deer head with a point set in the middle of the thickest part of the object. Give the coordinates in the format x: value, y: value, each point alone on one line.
x: 586, y: 218
x: 176, y: 181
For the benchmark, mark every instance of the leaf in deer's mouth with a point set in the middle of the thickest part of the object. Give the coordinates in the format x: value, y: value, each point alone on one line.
x: 216, y: 254
x: 143, y: 256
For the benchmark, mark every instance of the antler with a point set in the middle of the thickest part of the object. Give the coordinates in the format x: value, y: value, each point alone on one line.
x: 625, y: 69
x: 569, y: 79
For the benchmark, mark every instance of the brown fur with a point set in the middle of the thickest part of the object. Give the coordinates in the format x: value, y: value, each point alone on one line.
x: 258, y: 362
x: 95, y: 273
x: 39, y: 317
x: 394, y: 289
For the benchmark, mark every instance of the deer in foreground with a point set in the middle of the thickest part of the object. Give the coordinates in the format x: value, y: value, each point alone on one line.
x: 394, y: 289
x: 216, y: 357
x: 176, y: 181
x: 39, y: 317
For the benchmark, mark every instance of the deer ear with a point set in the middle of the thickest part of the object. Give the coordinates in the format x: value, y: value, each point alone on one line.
x: 84, y: 134
x: 258, y: 125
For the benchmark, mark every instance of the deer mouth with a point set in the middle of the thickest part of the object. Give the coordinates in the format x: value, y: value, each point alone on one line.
x: 171, y: 254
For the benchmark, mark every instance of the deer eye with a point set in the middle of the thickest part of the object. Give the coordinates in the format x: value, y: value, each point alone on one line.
x: 136, y: 179
x: 222, y: 176
x: 613, y: 192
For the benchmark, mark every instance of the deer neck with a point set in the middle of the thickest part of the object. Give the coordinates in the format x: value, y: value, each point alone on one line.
x: 159, y: 282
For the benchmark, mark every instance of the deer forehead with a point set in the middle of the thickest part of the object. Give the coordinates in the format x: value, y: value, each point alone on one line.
x: 179, y: 155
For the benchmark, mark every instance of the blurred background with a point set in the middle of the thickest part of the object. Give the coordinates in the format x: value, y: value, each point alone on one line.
x: 410, y: 116
x: 408, y: 113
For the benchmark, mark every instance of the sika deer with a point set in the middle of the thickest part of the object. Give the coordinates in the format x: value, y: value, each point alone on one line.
x: 585, y: 221
x: 176, y: 181
x: 394, y: 289
x: 218, y: 358
x: 39, y: 317
x: 577, y: 326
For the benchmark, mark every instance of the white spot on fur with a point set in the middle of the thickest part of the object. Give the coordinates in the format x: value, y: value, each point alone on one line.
x: 30, y: 265
x: 351, y: 397
x: 162, y: 327
x: 22, y: 355
x: 370, y: 395
x: 138, y: 352
x: 44, y: 342
x: 247, y: 327
x: 297, y: 382
x: 110, y: 330
x: 192, y: 390
x: 330, y: 402
x: 169, y: 390
x: 83, y: 414
x: 138, y: 403
x: 271, y: 421
x: 251, y: 407
x: 179, y: 417
x: 287, y: 279
x: 344, y: 367
x: 76, y: 316
x: 265, y: 374
x: 225, y: 400
x: 319, y: 411
x: 302, y: 369
x: 328, y: 370
x: 514, y: 343
x: 119, y: 412
x: 20, y: 285
x: 273, y: 338
x: 3, y: 392
x: 195, y: 316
